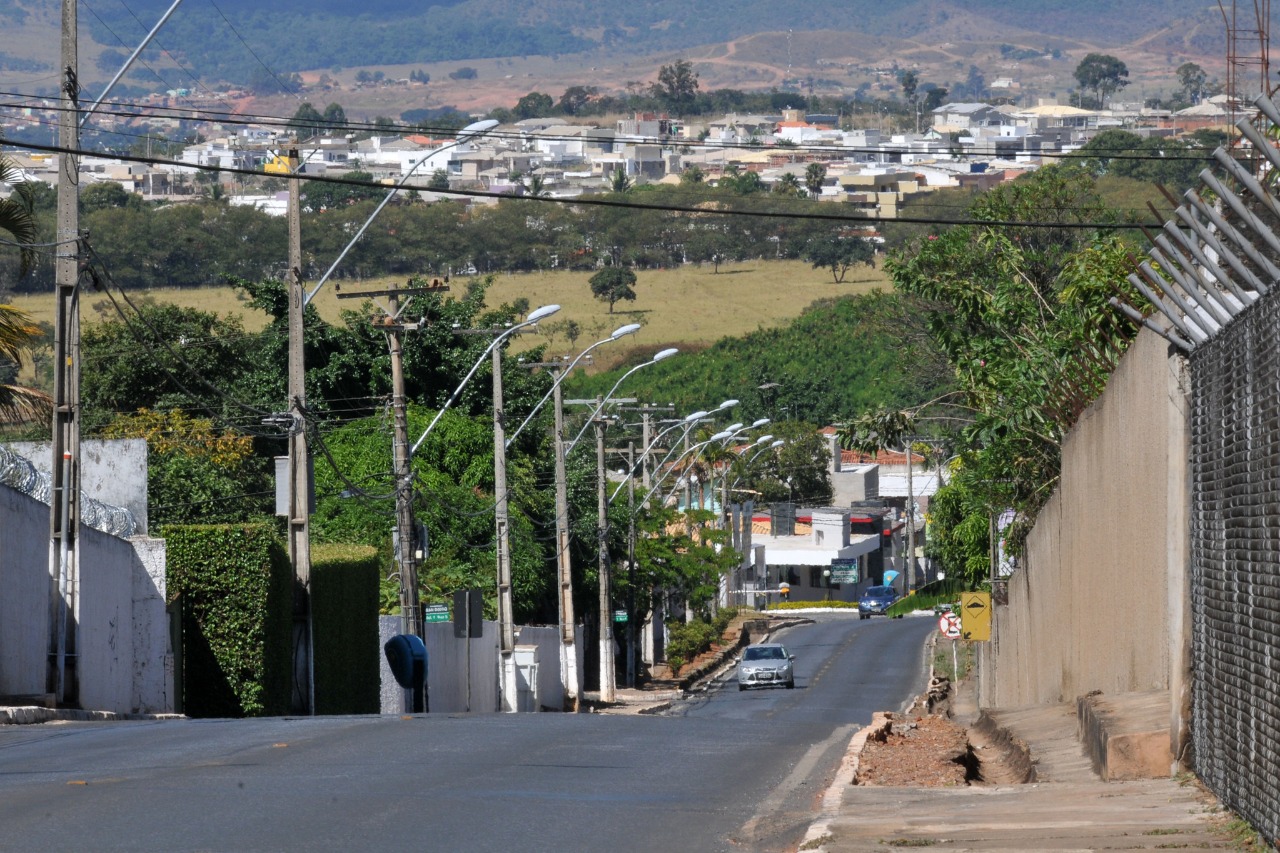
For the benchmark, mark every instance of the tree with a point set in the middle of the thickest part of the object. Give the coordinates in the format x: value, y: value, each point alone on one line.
x: 612, y: 284
x: 307, y: 120
x: 335, y: 117
x: 18, y: 333
x: 439, y: 180
x: 814, y: 175
x: 677, y: 86
x: 619, y: 182
x: 534, y: 105
x: 576, y: 98
x: 839, y: 254
x: 1192, y: 79
x: 1102, y: 74
x: 789, y: 185
x: 692, y: 176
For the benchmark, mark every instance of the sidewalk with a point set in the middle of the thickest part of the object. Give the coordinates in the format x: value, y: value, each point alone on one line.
x: 1067, y: 808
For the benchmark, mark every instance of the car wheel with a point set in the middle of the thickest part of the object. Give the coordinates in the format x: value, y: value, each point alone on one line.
x: 791, y: 684
x: 741, y: 687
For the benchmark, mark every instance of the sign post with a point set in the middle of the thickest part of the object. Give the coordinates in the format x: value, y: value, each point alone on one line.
x: 949, y: 625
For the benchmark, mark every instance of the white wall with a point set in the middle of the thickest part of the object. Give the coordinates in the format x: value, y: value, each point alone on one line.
x: 123, y: 641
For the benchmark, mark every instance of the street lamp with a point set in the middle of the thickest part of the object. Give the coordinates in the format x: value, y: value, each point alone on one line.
x: 720, y: 436
x: 468, y: 133
x: 664, y: 354
x: 620, y: 332
x: 536, y: 315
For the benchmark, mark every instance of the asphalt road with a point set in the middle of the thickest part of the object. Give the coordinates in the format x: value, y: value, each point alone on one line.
x: 726, y: 771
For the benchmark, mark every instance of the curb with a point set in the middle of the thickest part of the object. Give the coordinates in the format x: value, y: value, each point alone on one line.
x: 32, y: 715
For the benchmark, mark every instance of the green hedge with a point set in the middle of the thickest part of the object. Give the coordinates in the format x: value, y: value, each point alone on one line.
x: 928, y: 596
x: 235, y: 585
x: 344, y: 617
x: 687, y: 640
x: 810, y: 605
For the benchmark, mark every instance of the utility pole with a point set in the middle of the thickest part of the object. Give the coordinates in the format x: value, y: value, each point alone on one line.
x: 62, y: 677
x: 607, y: 678
x: 299, y: 457
x: 569, y: 677
x: 506, y: 602
x: 909, y: 565
x: 631, y: 556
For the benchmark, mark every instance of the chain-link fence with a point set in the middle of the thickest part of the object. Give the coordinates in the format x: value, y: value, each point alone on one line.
x: 1235, y: 552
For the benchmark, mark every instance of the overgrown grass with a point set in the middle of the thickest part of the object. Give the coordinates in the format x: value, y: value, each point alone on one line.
x: 954, y: 666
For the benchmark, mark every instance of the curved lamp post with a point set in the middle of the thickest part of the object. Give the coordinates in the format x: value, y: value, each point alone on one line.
x: 620, y: 332
x: 536, y: 315
x: 697, y: 448
x: 664, y: 354
x: 467, y: 133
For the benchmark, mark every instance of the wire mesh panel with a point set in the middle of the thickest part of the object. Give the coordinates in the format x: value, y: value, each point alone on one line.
x: 1235, y: 553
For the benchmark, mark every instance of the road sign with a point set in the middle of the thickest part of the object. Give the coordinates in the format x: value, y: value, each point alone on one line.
x: 435, y: 613
x: 619, y: 616
x: 975, y: 615
x: 949, y: 625
x: 844, y: 575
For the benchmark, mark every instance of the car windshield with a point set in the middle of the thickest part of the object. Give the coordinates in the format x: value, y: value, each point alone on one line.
x: 766, y: 653
x: 878, y: 592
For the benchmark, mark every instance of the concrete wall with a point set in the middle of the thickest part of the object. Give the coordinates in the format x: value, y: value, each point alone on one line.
x: 1100, y: 601
x: 113, y: 472
x: 125, y: 665
x: 24, y: 593
x: 447, y: 669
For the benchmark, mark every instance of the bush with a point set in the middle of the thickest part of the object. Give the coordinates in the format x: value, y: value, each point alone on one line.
x: 687, y: 640
x: 806, y: 605
x: 344, y: 618
x: 235, y: 585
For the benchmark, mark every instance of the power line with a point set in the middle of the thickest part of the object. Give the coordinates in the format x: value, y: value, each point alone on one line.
x: 609, y: 202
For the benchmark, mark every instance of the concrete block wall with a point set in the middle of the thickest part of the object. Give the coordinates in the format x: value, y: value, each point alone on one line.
x: 1101, y: 599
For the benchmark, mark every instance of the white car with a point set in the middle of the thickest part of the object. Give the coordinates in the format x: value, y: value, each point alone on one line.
x: 766, y: 665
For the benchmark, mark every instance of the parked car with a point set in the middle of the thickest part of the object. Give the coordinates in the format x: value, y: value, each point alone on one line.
x: 876, y: 599
x: 766, y: 665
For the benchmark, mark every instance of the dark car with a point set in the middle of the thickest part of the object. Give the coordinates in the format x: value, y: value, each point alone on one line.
x: 876, y: 599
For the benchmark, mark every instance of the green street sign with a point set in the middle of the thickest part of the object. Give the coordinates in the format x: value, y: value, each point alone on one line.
x: 844, y: 575
x: 435, y: 613
x: 619, y: 616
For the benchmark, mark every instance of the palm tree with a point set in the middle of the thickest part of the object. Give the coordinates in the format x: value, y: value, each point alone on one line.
x: 16, y: 215
x: 814, y: 175
x: 17, y: 331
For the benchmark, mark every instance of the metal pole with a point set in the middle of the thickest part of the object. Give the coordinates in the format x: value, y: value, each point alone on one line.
x: 506, y: 604
x: 607, y: 690
x: 128, y: 63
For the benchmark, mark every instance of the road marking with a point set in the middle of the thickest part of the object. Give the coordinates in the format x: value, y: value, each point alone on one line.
x: 774, y: 807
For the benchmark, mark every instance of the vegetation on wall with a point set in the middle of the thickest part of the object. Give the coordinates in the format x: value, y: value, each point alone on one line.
x: 344, y: 618
x: 235, y: 587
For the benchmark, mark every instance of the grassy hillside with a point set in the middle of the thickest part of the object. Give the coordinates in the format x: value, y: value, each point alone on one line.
x: 678, y: 307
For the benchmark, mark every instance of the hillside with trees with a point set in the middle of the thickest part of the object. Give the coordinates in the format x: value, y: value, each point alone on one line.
x: 221, y: 42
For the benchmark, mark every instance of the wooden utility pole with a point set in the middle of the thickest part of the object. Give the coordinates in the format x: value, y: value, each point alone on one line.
x: 299, y: 457
x: 62, y: 677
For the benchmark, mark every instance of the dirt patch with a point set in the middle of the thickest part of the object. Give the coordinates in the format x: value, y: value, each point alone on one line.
x: 929, y: 749
x: 916, y: 751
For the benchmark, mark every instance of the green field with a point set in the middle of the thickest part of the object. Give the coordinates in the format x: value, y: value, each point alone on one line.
x: 690, y: 305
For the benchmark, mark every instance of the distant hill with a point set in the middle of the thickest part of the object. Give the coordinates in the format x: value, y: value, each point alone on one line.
x: 238, y: 41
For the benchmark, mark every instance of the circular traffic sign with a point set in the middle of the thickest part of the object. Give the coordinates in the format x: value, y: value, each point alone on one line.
x: 949, y: 625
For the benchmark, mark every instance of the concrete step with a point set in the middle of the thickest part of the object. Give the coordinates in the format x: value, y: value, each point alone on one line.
x: 1126, y: 736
